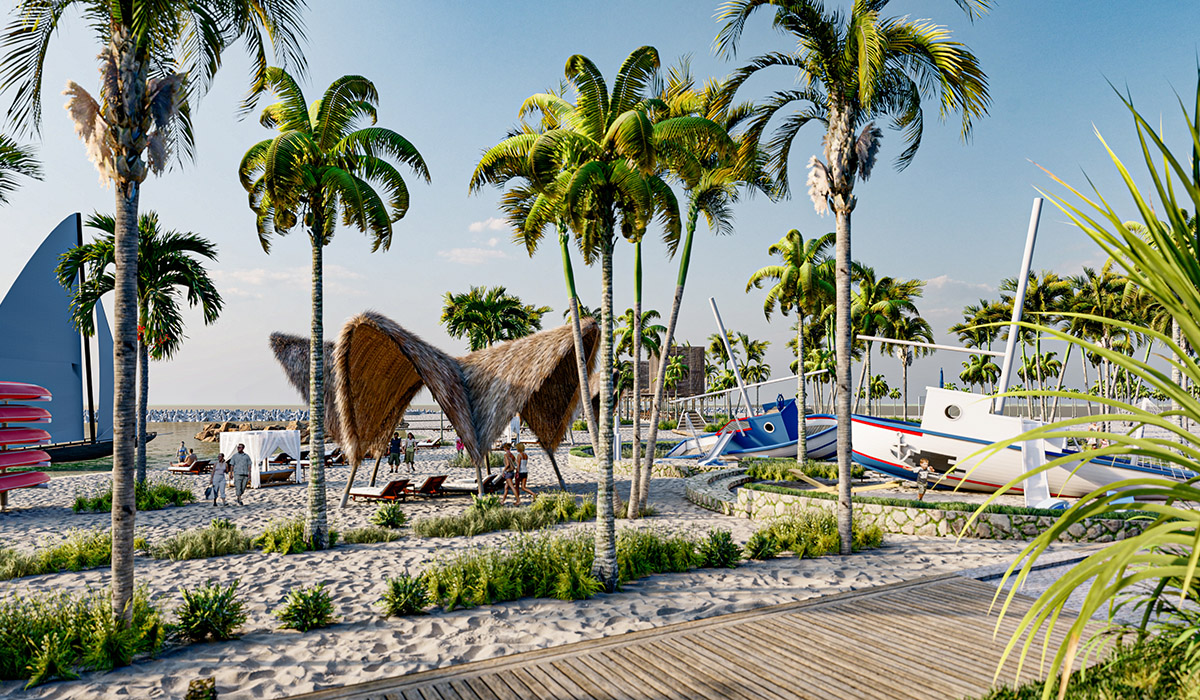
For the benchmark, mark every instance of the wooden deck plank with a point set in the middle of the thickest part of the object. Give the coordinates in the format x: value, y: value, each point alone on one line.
x: 871, y: 643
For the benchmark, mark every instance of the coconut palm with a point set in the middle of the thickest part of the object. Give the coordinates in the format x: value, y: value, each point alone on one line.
x: 803, y: 283
x: 851, y: 70
x: 328, y: 159
x: 1045, y: 298
x: 15, y: 160
x: 912, y: 328
x: 980, y: 370
x: 677, y: 371
x: 488, y: 315
x: 603, y: 163
x: 877, y: 307
x: 156, y: 60
x: 169, y: 264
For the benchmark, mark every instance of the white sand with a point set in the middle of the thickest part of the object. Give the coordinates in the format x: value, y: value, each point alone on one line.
x: 268, y: 663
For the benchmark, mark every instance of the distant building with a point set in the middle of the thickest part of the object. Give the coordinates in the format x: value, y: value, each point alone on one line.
x: 691, y: 384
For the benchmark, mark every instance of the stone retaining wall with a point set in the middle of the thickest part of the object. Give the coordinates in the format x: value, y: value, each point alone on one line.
x: 714, y: 490
x: 762, y: 505
x: 661, y: 469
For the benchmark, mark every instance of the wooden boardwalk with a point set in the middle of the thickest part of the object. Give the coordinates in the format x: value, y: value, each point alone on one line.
x: 929, y: 638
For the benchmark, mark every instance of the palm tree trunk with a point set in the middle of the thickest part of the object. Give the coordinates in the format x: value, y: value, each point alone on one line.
x: 636, y: 485
x: 316, y: 527
x: 1175, y: 373
x: 1062, y: 373
x: 124, y: 505
x: 143, y: 396
x: 585, y: 394
x: 659, y: 382
x: 801, y: 399
x: 904, y: 382
x: 842, y: 299
x: 604, y: 567
x: 863, y: 380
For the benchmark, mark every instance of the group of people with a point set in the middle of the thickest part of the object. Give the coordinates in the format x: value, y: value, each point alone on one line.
x: 516, y: 472
x: 407, y: 447
x: 237, y: 467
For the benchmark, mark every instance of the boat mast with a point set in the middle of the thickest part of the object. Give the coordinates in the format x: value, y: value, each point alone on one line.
x: 87, y: 342
x: 1018, y: 307
x: 729, y: 351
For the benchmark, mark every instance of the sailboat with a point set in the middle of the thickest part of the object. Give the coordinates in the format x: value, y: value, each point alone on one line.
x: 41, y: 346
x: 956, y: 427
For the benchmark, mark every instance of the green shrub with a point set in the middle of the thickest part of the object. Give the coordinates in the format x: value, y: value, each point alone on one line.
x: 623, y: 509
x: 210, y: 612
x: 761, y: 546
x: 719, y: 551
x: 150, y: 495
x: 668, y: 424
x: 405, y: 595
x: 463, y: 460
x: 779, y: 469
x: 284, y: 537
x: 811, y: 533
x: 82, y: 549
x: 641, y: 553
x: 217, y: 540
x: 485, y: 515
x: 369, y: 535
x: 626, y: 421
x: 713, y: 427
x: 53, y: 635
x: 202, y: 689
x: 306, y: 609
x: 579, y: 424
x: 389, y: 515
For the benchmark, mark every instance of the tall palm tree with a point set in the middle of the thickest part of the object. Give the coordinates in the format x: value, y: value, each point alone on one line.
x: 981, y: 370
x: 15, y: 160
x: 804, y: 283
x: 850, y: 71
x: 912, y: 328
x: 602, y: 164
x: 169, y: 264
x: 156, y: 60
x: 677, y: 371
x: 487, y: 315
x: 1045, y: 300
x: 630, y: 340
x: 713, y: 175
x: 876, y: 306
x: 328, y: 159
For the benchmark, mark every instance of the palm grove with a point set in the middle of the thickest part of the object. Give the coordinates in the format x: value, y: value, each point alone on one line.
x: 600, y: 163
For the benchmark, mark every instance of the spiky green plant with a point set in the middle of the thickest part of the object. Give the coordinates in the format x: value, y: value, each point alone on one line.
x: 1161, y: 259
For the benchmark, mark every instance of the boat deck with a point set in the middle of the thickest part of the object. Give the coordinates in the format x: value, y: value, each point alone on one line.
x: 928, y: 638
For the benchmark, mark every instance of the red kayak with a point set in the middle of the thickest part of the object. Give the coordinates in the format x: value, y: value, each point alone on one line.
x: 23, y: 436
x: 18, y: 391
x: 23, y: 458
x: 16, y: 413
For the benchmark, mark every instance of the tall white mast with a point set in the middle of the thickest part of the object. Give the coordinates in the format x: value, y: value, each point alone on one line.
x: 1018, y: 305
x: 729, y: 351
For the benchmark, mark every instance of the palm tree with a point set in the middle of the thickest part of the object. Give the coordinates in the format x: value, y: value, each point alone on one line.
x: 851, y: 70
x: 487, y: 315
x: 878, y: 306
x: 156, y: 60
x: 648, y: 335
x: 718, y: 352
x: 602, y: 164
x: 677, y: 371
x: 803, y: 282
x: 981, y: 370
x: 328, y: 159
x: 168, y: 263
x: 1045, y: 299
x: 15, y: 160
x: 912, y: 328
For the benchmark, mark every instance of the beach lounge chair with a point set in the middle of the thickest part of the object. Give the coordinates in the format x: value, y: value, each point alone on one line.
x: 392, y: 491
x: 201, y: 466
x: 430, y: 487
x: 276, y: 476
x: 491, y: 483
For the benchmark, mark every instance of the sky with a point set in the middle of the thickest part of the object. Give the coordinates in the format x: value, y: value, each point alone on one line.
x: 451, y: 76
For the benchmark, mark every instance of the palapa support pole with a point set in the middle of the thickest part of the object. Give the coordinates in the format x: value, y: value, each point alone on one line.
x: 554, y: 463
x: 375, y: 471
x: 350, y: 481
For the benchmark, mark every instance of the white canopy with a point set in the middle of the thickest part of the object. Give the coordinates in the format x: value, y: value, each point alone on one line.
x: 261, y: 445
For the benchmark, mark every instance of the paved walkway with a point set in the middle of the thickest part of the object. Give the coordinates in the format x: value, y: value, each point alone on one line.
x: 928, y: 638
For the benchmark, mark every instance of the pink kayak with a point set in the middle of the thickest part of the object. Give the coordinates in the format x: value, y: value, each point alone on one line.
x: 19, y: 391
x: 23, y: 436
x: 16, y: 413
x: 23, y: 458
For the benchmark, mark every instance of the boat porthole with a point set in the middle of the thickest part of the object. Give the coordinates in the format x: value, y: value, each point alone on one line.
x: 953, y: 412
x: 769, y: 427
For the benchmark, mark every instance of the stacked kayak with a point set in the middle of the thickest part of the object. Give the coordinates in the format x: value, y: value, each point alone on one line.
x: 13, y: 436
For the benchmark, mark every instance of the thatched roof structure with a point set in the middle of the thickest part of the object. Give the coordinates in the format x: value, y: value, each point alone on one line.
x: 292, y: 353
x: 377, y: 367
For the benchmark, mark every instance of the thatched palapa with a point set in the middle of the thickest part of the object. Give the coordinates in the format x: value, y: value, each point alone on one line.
x: 378, y: 367
x: 292, y: 353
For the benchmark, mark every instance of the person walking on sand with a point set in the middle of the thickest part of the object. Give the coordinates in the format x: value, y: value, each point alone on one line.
x: 394, y: 449
x: 922, y: 478
x: 216, y: 480
x: 240, y: 461
x: 522, y: 470
x: 510, y: 475
x: 410, y: 453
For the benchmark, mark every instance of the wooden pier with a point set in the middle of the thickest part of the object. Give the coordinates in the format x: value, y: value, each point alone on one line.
x: 922, y: 639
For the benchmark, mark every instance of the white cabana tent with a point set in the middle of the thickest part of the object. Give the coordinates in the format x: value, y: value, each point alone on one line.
x: 261, y: 445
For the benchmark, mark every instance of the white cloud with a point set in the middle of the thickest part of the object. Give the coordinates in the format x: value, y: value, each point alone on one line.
x: 493, y: 241
x: 250, y: 283
x: 489, y: 224
x: 472, y: 256
x: 945, y: 281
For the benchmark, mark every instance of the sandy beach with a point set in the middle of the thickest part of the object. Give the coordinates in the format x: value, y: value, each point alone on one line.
x: 267, y: 663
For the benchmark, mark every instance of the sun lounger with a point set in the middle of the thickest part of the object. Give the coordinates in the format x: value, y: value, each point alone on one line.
x: 392, y: 491
x: 491, y: 483
x: 431, y: 486
x: 274, y: 477
x: 202, y: 466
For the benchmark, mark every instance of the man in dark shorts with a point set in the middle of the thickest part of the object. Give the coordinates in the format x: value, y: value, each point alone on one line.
x: 394, y: 449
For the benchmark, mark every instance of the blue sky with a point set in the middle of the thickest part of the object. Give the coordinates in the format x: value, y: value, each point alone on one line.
x: 451, y: 76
